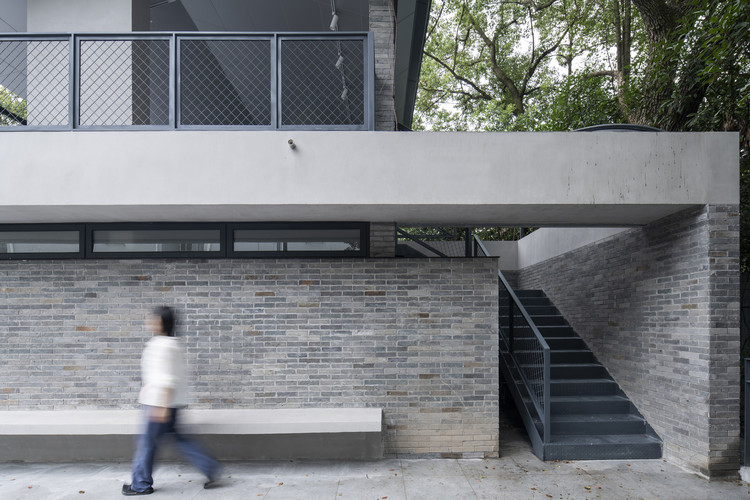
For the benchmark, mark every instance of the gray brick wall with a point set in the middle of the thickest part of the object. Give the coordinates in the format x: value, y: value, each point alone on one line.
x: 415, y: 337
x: 383, y: 26
x: 659, y: 305
x: 382, y: 239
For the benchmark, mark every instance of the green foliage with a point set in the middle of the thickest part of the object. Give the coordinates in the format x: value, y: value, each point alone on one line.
x: 578, y: 101
x: 521, y: 65
x: 11, y: 106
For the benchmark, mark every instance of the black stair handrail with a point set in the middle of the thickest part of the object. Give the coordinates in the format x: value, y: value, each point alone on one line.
x: 541, y: 401
x: 747, y: 412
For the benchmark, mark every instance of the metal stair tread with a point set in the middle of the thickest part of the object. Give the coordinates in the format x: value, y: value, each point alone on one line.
x: 589, y: 398
x: 570, y: 365
x: 517, y: 351
x: 597, y: 417
x: 604, y: 439
x: 598, y: 380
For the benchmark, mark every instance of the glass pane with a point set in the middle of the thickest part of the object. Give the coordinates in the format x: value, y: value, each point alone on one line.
x: 296, y: 240
x: 39, y: 242
x: 150, y: 240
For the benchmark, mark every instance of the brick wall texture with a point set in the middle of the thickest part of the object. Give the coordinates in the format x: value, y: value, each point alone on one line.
x: 382, y: 239
x: 415, y: 337
x: 383, y: 27
x: 659, y: 306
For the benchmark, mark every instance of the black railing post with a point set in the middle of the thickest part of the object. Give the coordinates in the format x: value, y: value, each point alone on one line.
x: 747, y: 412
x: 467, y: 241
x: 511, y: 313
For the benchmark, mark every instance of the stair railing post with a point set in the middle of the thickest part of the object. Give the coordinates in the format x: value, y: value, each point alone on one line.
x: 511, y: 313
x: 547, y: 396
x: 747, y: 412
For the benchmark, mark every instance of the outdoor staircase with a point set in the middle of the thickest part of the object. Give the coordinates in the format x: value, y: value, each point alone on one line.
x: 590, y: 416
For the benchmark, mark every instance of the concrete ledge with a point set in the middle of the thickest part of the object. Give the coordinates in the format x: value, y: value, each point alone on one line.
x: 268, y: 434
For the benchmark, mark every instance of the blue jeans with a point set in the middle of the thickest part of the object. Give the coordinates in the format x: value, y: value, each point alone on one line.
x: 143, y: 463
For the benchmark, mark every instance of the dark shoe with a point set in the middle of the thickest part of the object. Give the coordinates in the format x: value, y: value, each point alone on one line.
x: 129, y: 492
x: 211, y: 482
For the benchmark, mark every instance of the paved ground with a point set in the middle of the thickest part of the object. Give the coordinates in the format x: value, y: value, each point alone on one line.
x: 517, y: 475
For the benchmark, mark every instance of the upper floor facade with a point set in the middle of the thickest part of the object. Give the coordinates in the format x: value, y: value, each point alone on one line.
x: 166, y: 64
x: 252, y: 110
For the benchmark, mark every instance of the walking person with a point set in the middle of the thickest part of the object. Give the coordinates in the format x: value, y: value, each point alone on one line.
x: 163, y: 393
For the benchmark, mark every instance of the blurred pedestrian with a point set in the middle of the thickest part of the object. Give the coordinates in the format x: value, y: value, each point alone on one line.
x: 163, y: 393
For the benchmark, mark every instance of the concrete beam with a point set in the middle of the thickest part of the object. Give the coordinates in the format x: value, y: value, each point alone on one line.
x: 594, y: 178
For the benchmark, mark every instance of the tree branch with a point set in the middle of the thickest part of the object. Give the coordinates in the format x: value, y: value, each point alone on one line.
x: 458, y: 77
x: 508, y: 84
x: 597, y: 74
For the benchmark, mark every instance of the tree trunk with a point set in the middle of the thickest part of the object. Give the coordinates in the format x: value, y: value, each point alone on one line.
x: 661, y: 19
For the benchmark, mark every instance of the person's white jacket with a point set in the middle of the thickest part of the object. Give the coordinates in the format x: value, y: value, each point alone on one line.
x: 163, y: 373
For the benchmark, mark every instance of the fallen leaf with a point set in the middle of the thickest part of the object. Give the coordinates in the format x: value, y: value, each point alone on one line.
x: 533, y: 488
x: 587, y: 487
x: 81, y: 492
x: 549, y: 496
x: 281, y: 484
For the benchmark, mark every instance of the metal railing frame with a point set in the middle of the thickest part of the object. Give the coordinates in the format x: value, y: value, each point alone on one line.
x: 542, y: 407
x: 275, y: 39
x: 470, y: 250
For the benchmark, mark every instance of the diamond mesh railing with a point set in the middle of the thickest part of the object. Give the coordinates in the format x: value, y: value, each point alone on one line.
x: 225, y: 82
x: 34, y: 82
x: 530, y: 352
x: 175, y: 80
x: 123, y: 82
x: 522, y: 345
x: 322, y: 83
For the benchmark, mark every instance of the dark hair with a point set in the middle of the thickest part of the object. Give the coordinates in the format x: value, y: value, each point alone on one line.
x: 167, y: 320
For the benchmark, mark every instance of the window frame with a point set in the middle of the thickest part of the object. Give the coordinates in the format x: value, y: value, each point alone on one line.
x: 31, y: 228
x: 362, y: 227
x: 226, y: 240
x: 155, y: 226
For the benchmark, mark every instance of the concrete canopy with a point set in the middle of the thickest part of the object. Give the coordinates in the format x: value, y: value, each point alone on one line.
x: 596, y: 178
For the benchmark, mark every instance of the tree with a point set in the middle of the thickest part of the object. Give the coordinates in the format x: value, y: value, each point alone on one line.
x: 538, y: 65
x: 488, y: 59
x: 679, y: 65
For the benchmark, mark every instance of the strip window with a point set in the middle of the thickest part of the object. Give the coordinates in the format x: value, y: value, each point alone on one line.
x: 155, y: 240
x: 184, y: 240
x: 41, y: 241
x: 298, y: 239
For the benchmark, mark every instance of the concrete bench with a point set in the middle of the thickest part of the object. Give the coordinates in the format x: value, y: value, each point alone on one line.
x: 245, y: 434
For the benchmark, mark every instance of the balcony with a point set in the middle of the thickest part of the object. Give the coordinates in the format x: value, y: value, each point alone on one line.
x: 167, y: 81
